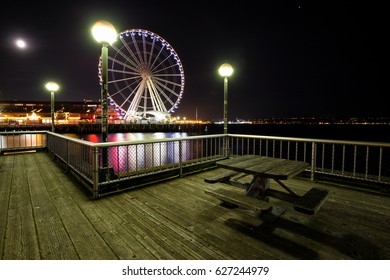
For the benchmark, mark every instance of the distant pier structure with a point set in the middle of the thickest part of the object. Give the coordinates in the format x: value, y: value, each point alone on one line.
x: 80, y: 117
x: 112, y: 128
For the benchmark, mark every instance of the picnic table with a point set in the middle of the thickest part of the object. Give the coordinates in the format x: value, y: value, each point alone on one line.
x: 257, y: 192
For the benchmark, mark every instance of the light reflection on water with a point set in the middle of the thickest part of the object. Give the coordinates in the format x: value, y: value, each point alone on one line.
x: 130, y: 158
x: 127, y: 136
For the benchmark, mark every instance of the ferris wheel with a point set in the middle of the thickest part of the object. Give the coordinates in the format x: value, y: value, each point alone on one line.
x: 145, y: 75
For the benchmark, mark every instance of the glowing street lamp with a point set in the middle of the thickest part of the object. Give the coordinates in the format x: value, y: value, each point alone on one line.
x: 52, y: 87
x: 104, y: 33
x: 225, y: 70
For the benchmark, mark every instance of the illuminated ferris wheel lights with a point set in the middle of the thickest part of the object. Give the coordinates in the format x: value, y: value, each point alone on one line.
x: 146, y: 74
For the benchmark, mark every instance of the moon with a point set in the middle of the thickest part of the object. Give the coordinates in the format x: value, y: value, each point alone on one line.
x: 21, y: 44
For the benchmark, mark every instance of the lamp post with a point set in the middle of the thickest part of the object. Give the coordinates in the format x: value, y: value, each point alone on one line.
x: 225, y: 70
x: 52, y: 87
x: 104, y: 33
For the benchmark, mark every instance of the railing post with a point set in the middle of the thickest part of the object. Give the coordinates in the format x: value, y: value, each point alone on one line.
x: 380, y: 164
x: 226, y: 149
x: 67, y: 155
x: 180, y: 158
x: 313, y: 160
x: 95, y: 172
x: 54, y: 144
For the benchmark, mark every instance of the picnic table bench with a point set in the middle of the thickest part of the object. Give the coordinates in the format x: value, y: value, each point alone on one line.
x: 263, y: 169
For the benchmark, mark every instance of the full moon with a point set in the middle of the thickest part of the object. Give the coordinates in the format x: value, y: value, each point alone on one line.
x: 21, y: 44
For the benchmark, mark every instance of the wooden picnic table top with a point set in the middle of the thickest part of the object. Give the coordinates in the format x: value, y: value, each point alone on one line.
x: 274, y: 168
x: 278, y: 169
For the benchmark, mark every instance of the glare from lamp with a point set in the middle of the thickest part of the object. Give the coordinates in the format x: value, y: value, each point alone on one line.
x: 226, y: 70
x: 104, y: 32
x: 52, y: 86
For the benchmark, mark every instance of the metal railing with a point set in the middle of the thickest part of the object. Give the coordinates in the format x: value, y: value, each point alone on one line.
x: 363, y: 161
x: 134, y: 163
x: 22, y: 140
x: 139, y: 161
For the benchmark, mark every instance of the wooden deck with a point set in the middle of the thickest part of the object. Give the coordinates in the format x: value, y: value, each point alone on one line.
x: 46, y: 214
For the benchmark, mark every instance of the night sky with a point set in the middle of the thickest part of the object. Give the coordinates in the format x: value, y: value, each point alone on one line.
x: 290, y: 58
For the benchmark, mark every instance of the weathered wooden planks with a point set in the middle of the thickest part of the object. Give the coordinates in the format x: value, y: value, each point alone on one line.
x: 311, y: 201
x: 275, y: 168
x: 239, y: 199
x: 47, y: 215
x: 22, y: 241
x: 223, y: 176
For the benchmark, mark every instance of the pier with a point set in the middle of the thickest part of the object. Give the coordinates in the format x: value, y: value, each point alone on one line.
x: 47, y: 214
x: 57, y: 202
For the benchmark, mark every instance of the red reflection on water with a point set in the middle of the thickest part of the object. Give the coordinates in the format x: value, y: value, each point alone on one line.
x: 94, y: 138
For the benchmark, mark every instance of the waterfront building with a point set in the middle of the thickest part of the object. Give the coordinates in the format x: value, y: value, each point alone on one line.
x: 14, y: 112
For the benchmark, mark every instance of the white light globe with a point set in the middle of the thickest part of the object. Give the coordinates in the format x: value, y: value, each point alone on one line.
x: 104, y: 32
x: 52, y: 86
x: 226, y: 70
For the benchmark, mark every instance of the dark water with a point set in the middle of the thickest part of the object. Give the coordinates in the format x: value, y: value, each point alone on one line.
x: 371, y: 133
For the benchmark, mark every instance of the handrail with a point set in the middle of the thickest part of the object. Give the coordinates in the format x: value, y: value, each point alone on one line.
x: 136, y: 142
x: 314, y: 140
x: 358, y: 160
